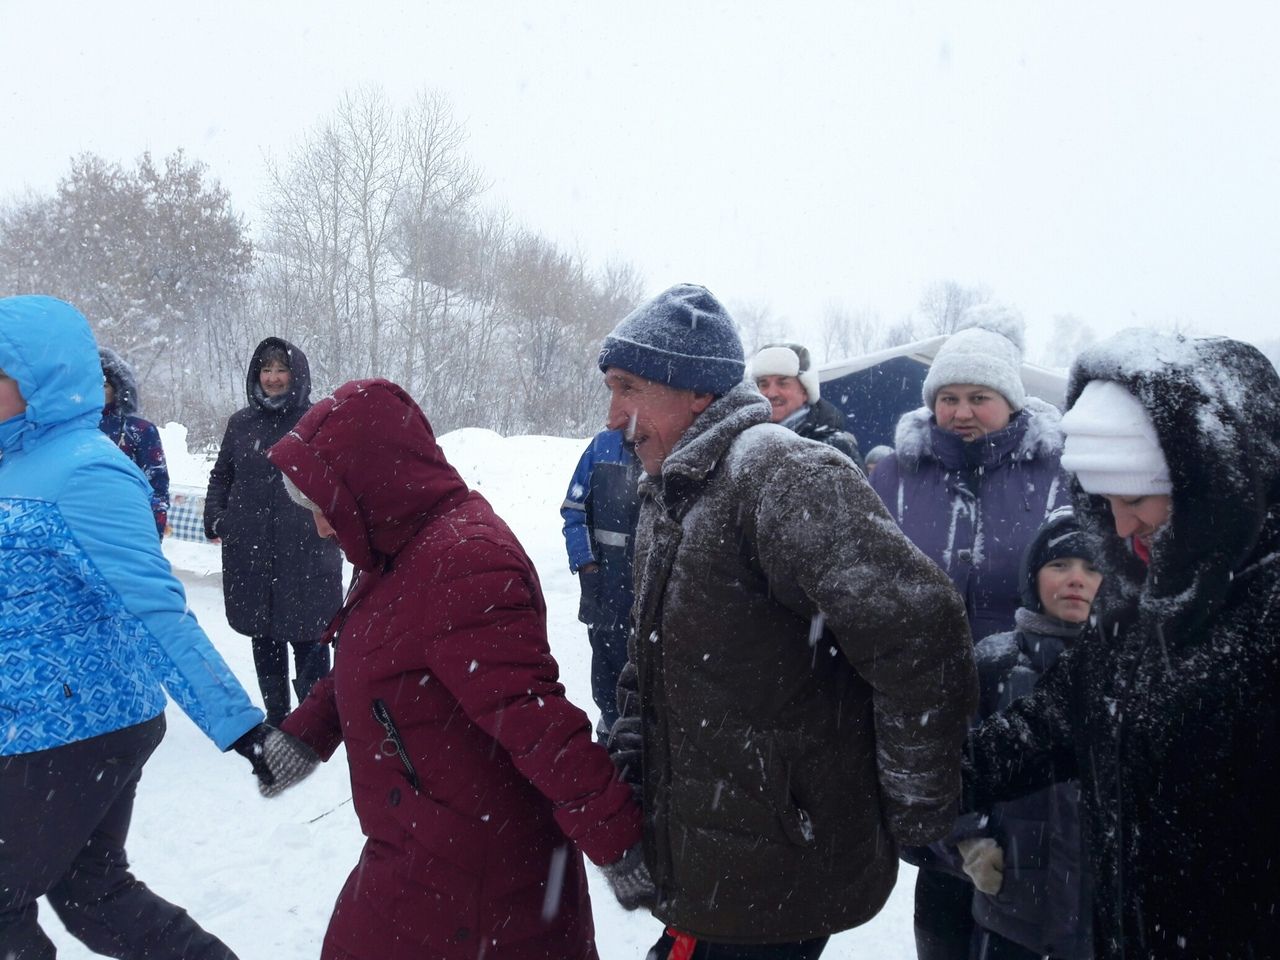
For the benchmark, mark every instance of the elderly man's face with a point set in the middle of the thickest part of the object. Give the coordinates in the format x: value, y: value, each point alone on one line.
x: 654, y: 415
x: 786, y: 395
x: 11, y: 401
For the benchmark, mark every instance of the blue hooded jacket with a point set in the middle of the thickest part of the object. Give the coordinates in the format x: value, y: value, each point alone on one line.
x: 94, y: 627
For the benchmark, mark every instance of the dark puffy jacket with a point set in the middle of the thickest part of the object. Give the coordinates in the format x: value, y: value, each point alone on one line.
x: 280, y: 579
x: 1043, y: 903
x: 826, y: 424
x: 470, y: 770
x: 138, y: 439
x: 803, y: 679
x: 600, y: 511
x: 973, y: 507
x: 1167, y: 712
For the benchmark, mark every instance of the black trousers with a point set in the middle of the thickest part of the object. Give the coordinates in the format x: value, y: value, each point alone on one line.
x: 64, y: 819
x: 803, y: 950
x: 943, y: 917
x: 271, y: 662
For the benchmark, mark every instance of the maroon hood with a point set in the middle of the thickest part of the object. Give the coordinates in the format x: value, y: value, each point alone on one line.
x: 368, y: 458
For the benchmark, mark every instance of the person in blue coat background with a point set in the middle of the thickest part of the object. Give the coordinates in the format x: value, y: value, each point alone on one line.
x: 600, y: 512
x: 137, y: 438
x: 94, y: 628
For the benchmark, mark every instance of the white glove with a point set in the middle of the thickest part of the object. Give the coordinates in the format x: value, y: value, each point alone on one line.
x: 983, y: 863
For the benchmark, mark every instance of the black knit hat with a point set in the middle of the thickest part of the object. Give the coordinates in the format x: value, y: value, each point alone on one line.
x: 1059, y: 536
x: 683, y: 338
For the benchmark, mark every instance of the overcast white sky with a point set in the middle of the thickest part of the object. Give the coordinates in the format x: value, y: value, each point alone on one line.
x: 1117, y: 161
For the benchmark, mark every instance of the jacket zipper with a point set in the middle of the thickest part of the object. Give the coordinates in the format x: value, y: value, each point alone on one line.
x: 383, y: 716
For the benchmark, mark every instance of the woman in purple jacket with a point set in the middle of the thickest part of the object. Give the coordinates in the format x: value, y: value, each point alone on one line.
x: 973, y: 475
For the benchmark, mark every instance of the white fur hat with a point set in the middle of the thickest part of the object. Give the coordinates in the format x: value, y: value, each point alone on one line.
x: 787, y: 360
x: 985, y: 350
x: 1112, y: 446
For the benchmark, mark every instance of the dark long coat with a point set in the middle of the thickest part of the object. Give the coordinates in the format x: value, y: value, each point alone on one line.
x: 803, y: 677
x: 475, y: 780
x: 1168, y: 712
x: 279, y: 578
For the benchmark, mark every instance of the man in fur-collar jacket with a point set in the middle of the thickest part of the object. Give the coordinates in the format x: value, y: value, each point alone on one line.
x: 784, y: 374
x: 1167, y: 709
x: 800, y: 676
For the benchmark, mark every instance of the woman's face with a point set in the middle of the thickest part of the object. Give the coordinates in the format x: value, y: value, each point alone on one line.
x: 1066, y: 587
x: 1140, y: 517
x: 970, y: 410
x: 11, y: 401
x: 274, y: 378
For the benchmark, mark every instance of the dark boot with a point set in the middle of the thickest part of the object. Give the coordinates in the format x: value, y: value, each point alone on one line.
x: 312, y: 663
x: 275, y: 698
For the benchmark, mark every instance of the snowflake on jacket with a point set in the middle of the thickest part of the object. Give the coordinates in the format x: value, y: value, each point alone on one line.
x: 972, y: 508
x: 1167, y: 710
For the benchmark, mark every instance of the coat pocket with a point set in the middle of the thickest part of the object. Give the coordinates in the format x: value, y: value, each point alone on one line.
x: 393, y: 744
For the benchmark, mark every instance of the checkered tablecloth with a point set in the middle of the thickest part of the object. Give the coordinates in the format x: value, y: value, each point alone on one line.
x: 186, y: 514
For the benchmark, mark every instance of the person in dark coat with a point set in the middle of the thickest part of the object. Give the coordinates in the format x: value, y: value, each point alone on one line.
x: 599, y: 513
x: 786, y: 377
x: 973, y: 475
x: 476, y: 781
x: 282, y: 583
x: 1167, y: 711
x: 800, y: 677
x: 138, y: 439
x: 1027, y: 859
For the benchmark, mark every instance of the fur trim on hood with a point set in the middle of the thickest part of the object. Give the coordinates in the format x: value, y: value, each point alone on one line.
x: 118, y: 373
x: 913, y: 438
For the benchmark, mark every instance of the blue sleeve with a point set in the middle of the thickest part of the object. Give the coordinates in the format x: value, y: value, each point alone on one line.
x: 122, y: 546
x: 577, y: 538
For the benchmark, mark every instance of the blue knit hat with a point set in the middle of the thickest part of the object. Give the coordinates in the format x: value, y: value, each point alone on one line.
x: 683, y: 338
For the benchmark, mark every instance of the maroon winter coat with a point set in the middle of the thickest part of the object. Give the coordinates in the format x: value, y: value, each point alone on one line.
x: 469, y: 767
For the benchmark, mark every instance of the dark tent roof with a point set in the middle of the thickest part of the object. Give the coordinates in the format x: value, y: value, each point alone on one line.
x: 875, y: 390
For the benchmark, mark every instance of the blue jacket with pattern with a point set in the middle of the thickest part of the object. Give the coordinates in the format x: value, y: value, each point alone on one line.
x: 94, y: 627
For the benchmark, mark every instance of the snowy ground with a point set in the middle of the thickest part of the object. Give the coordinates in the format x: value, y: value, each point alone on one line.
x: 263, y: 874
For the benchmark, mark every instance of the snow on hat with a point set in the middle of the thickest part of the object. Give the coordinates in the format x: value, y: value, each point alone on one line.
x: 787, y: 360
x: 985, y: 350
x: 683, y: 338
x: 1112, y: 446
x: 1059, y: 536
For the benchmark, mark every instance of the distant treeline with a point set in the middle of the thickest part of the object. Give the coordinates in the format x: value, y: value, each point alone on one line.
x: 377, y: 255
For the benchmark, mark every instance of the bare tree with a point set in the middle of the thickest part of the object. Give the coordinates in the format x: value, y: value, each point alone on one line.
x: 1068, y: 336
x: 944, y: 302
x: 896, y: 334
x: 849, y: 333
x: 757, y: 325
x: 157, y: 260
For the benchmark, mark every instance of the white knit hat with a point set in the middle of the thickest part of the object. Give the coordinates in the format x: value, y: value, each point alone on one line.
x: 1112, y: 446
x: 787, y: 360
x: 985, y: 350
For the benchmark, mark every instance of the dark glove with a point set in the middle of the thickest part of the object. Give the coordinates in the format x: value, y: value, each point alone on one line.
x: 629, y: 878
x: 626, y: 742
x: 279, y: 759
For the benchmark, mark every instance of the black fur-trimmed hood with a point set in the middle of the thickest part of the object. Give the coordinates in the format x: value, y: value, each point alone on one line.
x: 120, y: 375
x: 1215, y: 404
